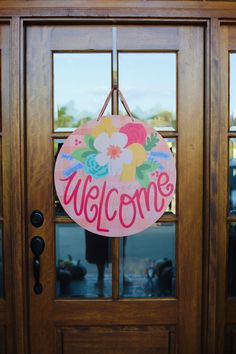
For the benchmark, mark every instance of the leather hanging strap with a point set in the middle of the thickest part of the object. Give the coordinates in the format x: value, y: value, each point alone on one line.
x: 123, y: 101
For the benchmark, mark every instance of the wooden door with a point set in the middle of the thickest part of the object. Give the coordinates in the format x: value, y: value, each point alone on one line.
x: 140, y: 294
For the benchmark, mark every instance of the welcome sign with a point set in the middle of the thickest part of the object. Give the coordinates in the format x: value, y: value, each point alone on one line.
x: 115, y: 176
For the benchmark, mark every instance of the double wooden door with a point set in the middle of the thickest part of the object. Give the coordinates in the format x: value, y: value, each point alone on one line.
x: 140, y: 294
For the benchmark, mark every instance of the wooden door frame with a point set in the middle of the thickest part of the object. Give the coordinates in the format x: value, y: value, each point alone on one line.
x: 211, y: 282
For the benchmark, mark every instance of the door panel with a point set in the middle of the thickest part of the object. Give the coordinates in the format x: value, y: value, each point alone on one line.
x: 117, y: 340
x: 138, y: 312
x: 5, y: 194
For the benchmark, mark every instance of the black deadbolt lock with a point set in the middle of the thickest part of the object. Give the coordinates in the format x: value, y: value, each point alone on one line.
x: 37, y: 218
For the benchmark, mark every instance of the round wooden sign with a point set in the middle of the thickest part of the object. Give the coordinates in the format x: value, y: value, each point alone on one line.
x: 115, y: 176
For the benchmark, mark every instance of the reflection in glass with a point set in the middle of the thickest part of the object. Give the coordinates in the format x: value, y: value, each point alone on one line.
x: 81, y: 84
x: 59, y: 211
x: 148, y: 262
x: 172, y: 145
x: 57, y: 146
x: 83, y: 263
x: 148, y: 82
x: 1, y: 262
x: 173, y: 148
x: 232, y: 92
x: 232, y: 175
x: 232, y: 260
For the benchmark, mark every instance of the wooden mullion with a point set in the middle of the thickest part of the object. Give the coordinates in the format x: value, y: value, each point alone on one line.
x: 168, y: 134
x: 168, y: 218
x: 60, y: 135
x: 115, y: 267
x: 231, y: 218
x: 165, y: 134
x: 63, y: 220
x: 115, y: 110
x: 165, y: 218
x: 232, y: 134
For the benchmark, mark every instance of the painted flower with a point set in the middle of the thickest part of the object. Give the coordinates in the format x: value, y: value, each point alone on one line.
x: 135, y: 132
x: 112, y: 151
x: 93, y: 169
x: 105, y: 125
x: 139, y: 157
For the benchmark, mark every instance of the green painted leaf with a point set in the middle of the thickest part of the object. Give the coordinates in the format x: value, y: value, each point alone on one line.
x: 89, y: 140
x: 139, y: 173
x: 159, y: 166
x: 144, y: 181
x: 153, y: 166
x: 148, y: 166
x: 81, y: 154
x: 151, y: 142
x: 144, y: 166
x: 143, y: 171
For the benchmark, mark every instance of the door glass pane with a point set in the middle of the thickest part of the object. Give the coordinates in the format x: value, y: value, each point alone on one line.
x: 232, y: 92
x: 148, y: 82
x: 1, y: 261
x: 148, y: 262
x: 83, y: 263
x: 1, y: 184
x: 1, y: 224
x: 232, y: 260
x: 81, y: 84
x: 232, y: 176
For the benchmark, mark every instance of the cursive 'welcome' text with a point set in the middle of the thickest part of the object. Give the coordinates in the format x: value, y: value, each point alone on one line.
x: 101, y: 205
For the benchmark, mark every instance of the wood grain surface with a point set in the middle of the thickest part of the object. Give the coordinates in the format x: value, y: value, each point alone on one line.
x: 29, y: 31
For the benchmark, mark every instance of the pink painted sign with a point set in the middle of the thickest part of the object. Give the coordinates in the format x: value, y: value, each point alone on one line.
x: 115, y: 176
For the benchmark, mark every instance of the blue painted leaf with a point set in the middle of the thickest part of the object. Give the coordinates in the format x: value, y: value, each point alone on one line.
x: 160, y: 154
x: 76, y: 167
x: 159, y: 166
x: 65, y: 156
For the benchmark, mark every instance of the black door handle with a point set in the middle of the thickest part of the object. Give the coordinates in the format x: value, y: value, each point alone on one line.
x: 37, y: 247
